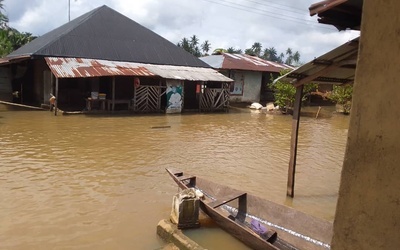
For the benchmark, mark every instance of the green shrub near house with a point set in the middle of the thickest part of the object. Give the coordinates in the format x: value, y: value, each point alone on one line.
x: 284, y: 92
x: 342, y: 95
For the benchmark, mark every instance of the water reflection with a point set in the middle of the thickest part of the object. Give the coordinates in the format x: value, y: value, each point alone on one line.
x: 98, y: 182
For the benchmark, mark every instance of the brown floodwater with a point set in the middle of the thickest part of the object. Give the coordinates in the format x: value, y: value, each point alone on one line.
x: 99, y: 182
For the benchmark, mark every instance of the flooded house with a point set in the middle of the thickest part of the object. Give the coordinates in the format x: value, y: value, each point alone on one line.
x: 250, y: 74
x: 103, y: 61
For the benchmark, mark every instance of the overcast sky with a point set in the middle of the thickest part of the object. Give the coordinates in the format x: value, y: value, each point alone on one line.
x: 224, y: 23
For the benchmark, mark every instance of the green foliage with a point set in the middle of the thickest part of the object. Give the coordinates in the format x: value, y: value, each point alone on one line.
x: 191, y: 45
x: 284, y: 92
x: 342, y: 95
x: 3, y: 17
x: 10, y: 38
x: 271, y: 54
x: 234, y: 51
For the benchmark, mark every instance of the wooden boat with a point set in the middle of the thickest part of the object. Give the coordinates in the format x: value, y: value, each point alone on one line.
x: 237, y: 213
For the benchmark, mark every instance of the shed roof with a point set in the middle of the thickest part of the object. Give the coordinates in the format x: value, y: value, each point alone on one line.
x: 343, y: 14
x: 104, y: 33
x: 80, y: 67
x: 335, y: 67
x: 243, y: 62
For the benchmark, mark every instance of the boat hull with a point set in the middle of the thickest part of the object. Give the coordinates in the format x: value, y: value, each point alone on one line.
x: 296, y: 230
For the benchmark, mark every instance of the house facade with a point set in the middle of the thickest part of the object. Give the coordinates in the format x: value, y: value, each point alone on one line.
x: 105, y: 61
x: 250, y: 75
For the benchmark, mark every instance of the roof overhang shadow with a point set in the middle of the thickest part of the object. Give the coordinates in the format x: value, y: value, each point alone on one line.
x: 335, y: 67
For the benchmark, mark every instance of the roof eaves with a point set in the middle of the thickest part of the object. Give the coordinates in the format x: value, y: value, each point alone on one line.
x: 323, y: 6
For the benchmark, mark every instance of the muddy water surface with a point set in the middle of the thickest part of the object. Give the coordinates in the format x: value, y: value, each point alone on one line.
x: 98, y: 182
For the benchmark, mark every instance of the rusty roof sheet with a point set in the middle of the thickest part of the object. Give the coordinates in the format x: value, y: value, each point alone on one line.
x: 81, y: 67
x: 7, y: 60
x: 243, y: 62
x: 342, y: 59
x: 343, y: 14
x: 188, y: 73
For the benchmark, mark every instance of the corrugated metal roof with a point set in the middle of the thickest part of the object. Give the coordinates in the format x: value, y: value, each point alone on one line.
x: 104, y: 33
x: 5, y: 60
x: 343, y: 14
x: 187, y: 73
x: 325, y: 5
x: 81, y: 67
x: 243, y: 62
x: 335, y: 67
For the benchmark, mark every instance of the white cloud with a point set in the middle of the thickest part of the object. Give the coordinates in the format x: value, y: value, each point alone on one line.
x: 230, y: 23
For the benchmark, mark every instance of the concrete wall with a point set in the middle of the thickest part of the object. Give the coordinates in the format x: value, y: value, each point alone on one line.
x: 368, y: 209
x: 251, y: 86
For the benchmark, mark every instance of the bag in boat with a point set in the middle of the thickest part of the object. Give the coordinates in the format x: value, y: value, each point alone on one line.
x: 257, y: 227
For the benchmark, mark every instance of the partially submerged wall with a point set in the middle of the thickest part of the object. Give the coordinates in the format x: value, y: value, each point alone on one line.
x: 368, y: 210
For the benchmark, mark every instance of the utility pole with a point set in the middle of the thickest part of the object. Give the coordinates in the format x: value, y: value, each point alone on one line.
x: 69, y: 10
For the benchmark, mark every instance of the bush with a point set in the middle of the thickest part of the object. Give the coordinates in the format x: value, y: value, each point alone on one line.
x: 284, y: 92
x: 342, y: 95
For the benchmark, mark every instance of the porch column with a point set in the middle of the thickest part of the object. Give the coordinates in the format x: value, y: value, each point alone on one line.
x: 293, y: 141
x: 113, y: 93
x: 56, y: 104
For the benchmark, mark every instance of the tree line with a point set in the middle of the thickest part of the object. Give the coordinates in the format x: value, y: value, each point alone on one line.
x: 10, y: 38
x: 193, y: 46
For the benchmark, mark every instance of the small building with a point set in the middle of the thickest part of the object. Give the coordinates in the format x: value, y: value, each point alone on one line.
x: 105, y: 61
x: 250, y: 74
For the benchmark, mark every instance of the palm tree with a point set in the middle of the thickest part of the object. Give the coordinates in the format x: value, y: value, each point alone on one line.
x: 249, y: 52
x: 184, y: 44
x: 206, y: 47
x: 271, y: 54
x: 3, y: 17
x: 296, y: 57
x: 289, y: 51
x: 256, y: 47
x: 194, y: 41
x: 289, y: 58
x: 280, y: 58
x: 196, y: 51
x: 234, y: 51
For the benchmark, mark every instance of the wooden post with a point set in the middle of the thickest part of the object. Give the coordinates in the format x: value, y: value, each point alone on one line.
x: 22, y: 94
x: 56, y: 104
x: 319, y: 109
x: 113, y: 93
x: 134, y: 95
x: 293, y: 141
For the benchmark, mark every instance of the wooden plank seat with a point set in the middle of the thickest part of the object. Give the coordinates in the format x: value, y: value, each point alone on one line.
x: 183, y: 178
x: 178, y: 174
x: 191, y: 178
x: 223, y: 200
